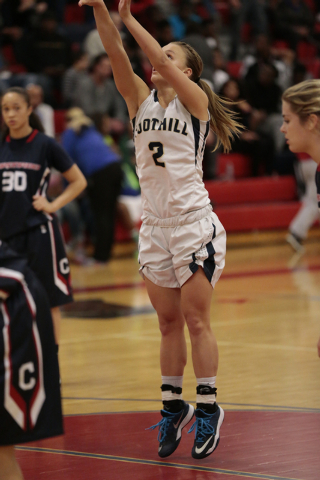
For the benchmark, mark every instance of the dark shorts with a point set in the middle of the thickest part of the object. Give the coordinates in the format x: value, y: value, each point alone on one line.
x: 45, y: 250
x: 30, y: 401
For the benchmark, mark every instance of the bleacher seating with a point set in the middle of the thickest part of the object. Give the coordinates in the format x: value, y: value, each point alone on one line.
x: 8, y: 54
x: 306, y: 51
x: 234, y: 165
x: 59, y: 121
x: 74, y: 14
x: 252, y: 190
x: 224, y: 10
x: 234, y: 68
x: 262, y: 203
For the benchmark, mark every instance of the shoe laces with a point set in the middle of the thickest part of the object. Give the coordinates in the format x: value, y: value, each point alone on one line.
x: 163, y: 425
x: 203, y: 428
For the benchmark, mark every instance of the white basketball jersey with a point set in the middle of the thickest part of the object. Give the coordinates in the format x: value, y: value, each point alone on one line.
x: 169, y: 147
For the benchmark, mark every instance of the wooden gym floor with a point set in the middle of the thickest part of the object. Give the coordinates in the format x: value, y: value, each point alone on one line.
x: 266, y: 316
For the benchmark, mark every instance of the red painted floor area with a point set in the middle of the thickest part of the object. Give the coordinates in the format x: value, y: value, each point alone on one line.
x: 254, y: 444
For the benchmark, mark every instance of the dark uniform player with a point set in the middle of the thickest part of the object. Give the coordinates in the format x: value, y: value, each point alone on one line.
x: 27, y: 220
x: 30, y: 405
x: 25, y: 166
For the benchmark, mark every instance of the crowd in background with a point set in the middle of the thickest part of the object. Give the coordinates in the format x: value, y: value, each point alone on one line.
x: 252, y: 51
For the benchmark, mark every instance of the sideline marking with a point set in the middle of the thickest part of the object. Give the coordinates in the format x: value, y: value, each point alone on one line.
x: 152, y: 462
x: 226, y: 276
x: 268, y: 408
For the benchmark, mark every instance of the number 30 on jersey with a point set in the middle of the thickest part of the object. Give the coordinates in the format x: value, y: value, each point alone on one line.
x: 16, y: 181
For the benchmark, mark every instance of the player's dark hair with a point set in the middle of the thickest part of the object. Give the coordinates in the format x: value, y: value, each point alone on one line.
x: 34, y: 120
x: 223, y: 120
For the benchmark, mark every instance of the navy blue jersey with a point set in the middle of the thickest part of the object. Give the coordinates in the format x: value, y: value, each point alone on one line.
x: 30, y: 405
x: 25, y: 166
x: 318, y: 184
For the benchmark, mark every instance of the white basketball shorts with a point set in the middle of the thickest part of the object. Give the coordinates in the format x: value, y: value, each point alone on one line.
x: 172, y: 249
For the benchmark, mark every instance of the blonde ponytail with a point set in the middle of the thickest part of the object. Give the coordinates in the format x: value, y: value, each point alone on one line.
x: 223, y: 120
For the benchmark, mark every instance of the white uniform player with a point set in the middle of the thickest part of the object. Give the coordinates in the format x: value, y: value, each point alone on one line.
x: 181, y: 243
x: 179, y: 230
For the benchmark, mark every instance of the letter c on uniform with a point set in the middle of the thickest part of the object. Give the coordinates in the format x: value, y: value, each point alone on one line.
x: 23, y: 384
x: 64, y: 266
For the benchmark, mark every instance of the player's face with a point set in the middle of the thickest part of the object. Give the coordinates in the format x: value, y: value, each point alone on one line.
x: 15, y: 111
x: 296, y: 134
x: 176, y: 54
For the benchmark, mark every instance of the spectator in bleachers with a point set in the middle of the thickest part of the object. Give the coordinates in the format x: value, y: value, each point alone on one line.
x: 220, y: 74
x: 102, y: 168
x: 152, y: 16
x: 129, y: 205
x: 293, y: 22
x: 135, y: 55
x: 264, y: 95
x: 5, y: 75
x: 73, y: 76
x: 57, y: 6
x: 167, y: 7
x: 92, y: 44
x: 75, y: 217
x: 44, y: 111
x: 258, y: 145
x: 16, y: 17
x: 206, y: 9
x: 163, y: 33
x: 139, y: 7
x: 97, y: 93
x: 196, y: 39
x: 180, y: 20
x: 19, y: 15
x: 300, y: 73
x: 242, y: 11
x: 208, y: 27
x: 22, y: 12
x: 45, y: 50
x: 282, y: 59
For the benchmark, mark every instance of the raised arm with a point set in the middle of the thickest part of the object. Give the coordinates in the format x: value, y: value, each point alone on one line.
x: 131, y: 87
x: 189, y: 93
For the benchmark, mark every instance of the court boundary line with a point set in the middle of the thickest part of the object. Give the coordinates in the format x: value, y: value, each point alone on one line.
x: 268, y: 408
x: 100, y: 456
x: 225, y: 276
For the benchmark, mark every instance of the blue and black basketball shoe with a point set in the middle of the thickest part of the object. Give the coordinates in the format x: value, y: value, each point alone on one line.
x: 170, y: 428
x: 207, y: 434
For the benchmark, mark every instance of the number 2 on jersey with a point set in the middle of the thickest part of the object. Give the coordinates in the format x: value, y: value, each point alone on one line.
x: 158, y: 154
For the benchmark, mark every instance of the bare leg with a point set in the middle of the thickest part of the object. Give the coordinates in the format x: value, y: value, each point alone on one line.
x: 9, y: 468
x: 196, y: 296
x: 173, y: 350
x: 56, y: 318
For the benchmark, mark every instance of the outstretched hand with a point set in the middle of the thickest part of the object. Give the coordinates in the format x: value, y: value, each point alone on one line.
x: 124, y: 8
x: 90, y: 3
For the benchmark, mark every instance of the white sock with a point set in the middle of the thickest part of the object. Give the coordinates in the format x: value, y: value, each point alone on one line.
x: 211, y: 397
x: 175, y: 382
